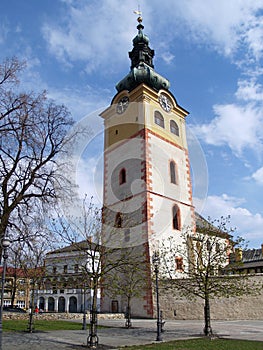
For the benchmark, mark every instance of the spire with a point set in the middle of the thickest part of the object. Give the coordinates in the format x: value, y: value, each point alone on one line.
x: 142, y: 68
x: 141, y: 51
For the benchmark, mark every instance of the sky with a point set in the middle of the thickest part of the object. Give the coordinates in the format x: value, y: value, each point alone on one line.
x: 211, y: 51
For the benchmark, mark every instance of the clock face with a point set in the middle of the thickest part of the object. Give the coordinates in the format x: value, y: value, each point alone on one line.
x: 165, y: 103
x: 122, y: 105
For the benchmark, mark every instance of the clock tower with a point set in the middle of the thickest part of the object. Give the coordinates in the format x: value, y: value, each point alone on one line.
x: 147, y: 185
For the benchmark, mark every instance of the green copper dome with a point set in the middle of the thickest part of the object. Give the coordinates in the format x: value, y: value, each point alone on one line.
x: 143, y: 74
x: 142, y: 68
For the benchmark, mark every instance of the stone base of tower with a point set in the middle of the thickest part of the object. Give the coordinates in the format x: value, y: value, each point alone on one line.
x: 142, y: 307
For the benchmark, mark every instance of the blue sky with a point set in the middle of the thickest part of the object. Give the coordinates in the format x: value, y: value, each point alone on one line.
x: 211, y: 51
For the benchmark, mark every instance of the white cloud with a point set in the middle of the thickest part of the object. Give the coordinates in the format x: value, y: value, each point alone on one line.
x: 167, y: 57
x: 248, y: 225
x: 258, y: 176
x: 237, y: 126
x: 249, y: 90
x: 84, y: 34
x: 226, y: 25
x: 254, y: 37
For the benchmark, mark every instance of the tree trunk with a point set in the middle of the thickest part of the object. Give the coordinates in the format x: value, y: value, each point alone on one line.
x: 128, y: 323
x: 31, y: 314
x: 207, y: 329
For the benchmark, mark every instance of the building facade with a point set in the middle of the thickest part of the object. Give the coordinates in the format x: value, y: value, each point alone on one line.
x: 248, y: 261
x: 17, y: 288
x: 67, y: 286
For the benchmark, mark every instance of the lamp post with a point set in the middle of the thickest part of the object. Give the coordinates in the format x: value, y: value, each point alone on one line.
x: 156, y: 263
x: 93, y: 339
x: 5, y: 244
x: 84, y: 322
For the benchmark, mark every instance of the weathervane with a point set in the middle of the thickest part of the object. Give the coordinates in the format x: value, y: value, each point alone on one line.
x: 139, y: 13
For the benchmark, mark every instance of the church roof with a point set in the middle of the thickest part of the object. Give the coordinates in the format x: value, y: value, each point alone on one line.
x: 76, y: 246
x: 142, y: 68
x: 252, y: 255
x: 203, y: 225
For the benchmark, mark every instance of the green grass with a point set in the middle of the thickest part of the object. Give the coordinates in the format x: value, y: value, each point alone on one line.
x: 203, y: 344
x: 40, y: 325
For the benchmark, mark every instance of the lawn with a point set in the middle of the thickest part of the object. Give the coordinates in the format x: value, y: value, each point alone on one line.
x: 203, y: 344
x: 40, y: 325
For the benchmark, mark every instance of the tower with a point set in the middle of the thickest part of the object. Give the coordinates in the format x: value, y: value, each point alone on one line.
x: 147, y: 185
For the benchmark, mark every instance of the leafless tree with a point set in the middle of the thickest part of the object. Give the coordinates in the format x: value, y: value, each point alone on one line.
x: 27, y: 258
x: 97, y: 258
x: 33, y: 133
x: 31, y: 261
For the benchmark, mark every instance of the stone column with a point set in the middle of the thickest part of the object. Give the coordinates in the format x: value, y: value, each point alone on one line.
x: 66, y: 304
x: 56, y: 304
x: 46, y: 304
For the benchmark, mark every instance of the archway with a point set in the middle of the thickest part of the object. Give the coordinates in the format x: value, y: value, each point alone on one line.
x: 72, y: 304
x: 61, y: 304
x: 51, y: 304
x: 41, y: 303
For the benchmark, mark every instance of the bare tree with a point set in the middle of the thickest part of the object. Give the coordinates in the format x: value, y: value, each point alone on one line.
x: 14, y: 272
x: 32, y: 263
x: 33, y: 132
x: 28, y: 257
x: 197, y: 267
x: 97, y: 258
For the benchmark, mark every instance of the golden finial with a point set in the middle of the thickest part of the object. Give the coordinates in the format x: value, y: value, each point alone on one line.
x: 139, y: 13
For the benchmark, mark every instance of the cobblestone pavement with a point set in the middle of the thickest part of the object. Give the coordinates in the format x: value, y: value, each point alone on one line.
x: 142, y: 332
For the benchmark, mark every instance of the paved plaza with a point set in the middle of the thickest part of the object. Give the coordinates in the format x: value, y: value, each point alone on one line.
x: 142, y: 332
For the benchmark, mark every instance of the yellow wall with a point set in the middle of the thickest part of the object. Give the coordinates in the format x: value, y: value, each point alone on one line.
x: 140, y: 114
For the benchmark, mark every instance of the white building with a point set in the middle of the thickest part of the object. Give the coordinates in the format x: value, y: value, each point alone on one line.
x: 68, y: 281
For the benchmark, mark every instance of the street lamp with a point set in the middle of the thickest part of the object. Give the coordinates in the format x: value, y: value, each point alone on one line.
x: 5, y: 244
x: 84, y: 322
x: 93, y: 339
x: 156, y: 263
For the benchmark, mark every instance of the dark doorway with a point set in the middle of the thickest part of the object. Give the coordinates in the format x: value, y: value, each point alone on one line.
x: 114, y: 306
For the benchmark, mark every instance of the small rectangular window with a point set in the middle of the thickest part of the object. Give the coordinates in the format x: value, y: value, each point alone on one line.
x: 127, y: 235
x: 122, y: 176
x: 179, y: 263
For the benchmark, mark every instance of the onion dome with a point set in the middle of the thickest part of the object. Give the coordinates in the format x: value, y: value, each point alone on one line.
x: 142, y: 68
x: 140, y: 37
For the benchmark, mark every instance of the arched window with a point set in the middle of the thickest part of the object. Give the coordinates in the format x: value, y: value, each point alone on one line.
x: 118, y: 220
x: 122, y: 176
x: 173, y: 172
x: 174, y: 127
x: 158, y: 119
x: 176, y: 218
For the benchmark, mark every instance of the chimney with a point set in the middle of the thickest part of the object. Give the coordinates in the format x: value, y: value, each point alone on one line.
x: 238, y: 254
